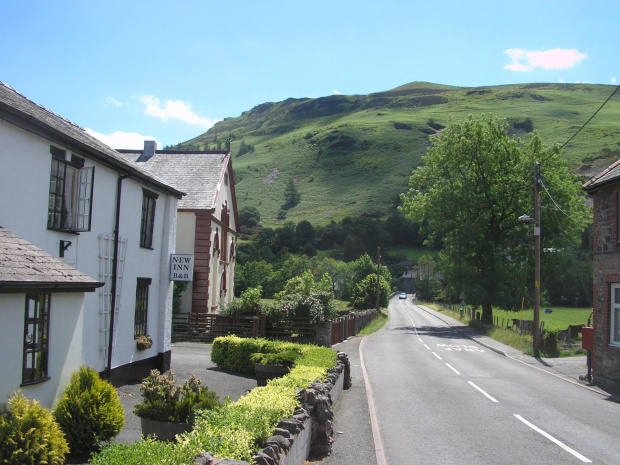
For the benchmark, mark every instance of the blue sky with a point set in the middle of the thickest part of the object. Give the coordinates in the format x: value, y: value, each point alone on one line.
x: 168, y: 70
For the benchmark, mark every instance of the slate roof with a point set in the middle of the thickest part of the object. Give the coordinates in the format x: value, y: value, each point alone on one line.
x: 19, y: 110
x: 609, y: 175
x: 198, y: 174
x: 25, y: 267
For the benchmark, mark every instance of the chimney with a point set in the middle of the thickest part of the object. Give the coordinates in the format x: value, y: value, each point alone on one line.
x: 149, y: 150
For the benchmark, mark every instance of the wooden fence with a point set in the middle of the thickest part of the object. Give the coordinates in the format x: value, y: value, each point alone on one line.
x: 204, y: 327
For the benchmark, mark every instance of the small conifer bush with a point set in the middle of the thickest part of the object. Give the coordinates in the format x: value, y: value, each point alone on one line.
x: 89, y: 411
x: 29, y: 435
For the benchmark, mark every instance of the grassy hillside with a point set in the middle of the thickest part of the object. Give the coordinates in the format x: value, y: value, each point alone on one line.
x: 353, y: 154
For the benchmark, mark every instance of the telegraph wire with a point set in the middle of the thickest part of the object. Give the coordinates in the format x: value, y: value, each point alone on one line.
x: 586, y: 123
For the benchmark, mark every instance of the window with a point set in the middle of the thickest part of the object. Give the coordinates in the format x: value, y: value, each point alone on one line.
x: 148, y: 218
x: 618, y: 217
x: 615, y: 315
x: 36, y: 329
x: 142, y: 306
x: 70, y: 193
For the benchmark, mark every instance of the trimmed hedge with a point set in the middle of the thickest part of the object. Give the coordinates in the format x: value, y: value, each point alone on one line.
x: 239, y: 429
x: 232, y: 353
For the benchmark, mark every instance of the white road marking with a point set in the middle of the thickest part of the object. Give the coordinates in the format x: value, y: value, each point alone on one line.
x: 554, y: 440
x: 427, y: 346
x: 376, y: 433
x: 420, y: 339
x: 437, y: 356
x: 483, y: 392
x: 453, y: 369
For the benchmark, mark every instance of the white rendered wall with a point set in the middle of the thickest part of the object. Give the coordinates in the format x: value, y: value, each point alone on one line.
x: 65, y: 342
x: 24, y: 191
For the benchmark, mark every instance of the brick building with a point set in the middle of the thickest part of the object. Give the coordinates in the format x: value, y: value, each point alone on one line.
x: 605, y: 191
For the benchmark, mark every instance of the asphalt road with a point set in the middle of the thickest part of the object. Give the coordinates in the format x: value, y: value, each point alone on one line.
x: 441, y: 398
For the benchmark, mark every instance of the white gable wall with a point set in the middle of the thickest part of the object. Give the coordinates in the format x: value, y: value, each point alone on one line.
x: 24, y: 192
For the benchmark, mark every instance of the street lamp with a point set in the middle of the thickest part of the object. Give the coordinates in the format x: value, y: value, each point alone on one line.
x: 537, y: 181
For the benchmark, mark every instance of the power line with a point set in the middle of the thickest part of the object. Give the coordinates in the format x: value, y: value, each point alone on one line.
x: 586, y: 123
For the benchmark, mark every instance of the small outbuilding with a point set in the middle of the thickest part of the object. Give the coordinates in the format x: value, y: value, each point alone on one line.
x: 41, y: 320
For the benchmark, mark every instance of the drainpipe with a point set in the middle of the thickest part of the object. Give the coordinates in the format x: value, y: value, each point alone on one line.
x: 114, y: 272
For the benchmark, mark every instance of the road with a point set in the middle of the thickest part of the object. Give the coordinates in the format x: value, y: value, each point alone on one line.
x: 440, y: 398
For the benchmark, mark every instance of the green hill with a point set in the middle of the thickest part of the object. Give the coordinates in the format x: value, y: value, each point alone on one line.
x: 353, y: 154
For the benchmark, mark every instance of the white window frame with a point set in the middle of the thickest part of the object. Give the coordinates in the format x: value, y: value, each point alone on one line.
x: 614, y: 317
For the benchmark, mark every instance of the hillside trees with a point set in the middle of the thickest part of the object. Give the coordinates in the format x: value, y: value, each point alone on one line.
x: 291, y: 195
x: 474, y: 185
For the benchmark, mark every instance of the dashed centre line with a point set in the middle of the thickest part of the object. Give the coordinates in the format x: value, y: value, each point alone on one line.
x: 489, y: 396
x: 554, y: 440
x: 453, y: 369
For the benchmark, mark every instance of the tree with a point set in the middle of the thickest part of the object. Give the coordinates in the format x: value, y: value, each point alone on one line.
x: 249, y: 217
x: 365, y: 295
x: 304, y: 232
x: 474, y: 185
x: 291, y: 195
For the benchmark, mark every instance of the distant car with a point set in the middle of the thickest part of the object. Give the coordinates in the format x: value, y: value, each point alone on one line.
x: 402, y: 295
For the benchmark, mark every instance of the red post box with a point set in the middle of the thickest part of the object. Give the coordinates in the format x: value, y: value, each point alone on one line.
x: 587, y: 337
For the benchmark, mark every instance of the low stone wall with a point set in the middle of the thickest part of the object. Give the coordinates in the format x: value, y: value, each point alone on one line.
x: 362, y: 318
x: 309, y: 432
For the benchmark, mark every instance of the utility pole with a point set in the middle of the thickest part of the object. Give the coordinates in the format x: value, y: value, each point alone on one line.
x: 537, y: 182
x: 377, y: 302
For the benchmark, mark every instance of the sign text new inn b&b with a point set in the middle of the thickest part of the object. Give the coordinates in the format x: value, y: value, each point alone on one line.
x: 181, y: 267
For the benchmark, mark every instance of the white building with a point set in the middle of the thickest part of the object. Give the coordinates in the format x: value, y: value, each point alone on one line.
x: 207, y: 222
x: 41, y: 320
x: 77, y: 199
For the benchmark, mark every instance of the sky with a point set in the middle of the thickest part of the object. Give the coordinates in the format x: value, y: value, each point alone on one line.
x: 132, y: 70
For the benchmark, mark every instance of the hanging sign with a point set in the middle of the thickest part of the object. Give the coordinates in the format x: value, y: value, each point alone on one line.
x: 181, y: 267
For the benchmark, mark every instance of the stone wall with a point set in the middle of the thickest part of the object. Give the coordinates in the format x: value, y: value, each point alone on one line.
x: 309, y: 432
x: 362, y: 318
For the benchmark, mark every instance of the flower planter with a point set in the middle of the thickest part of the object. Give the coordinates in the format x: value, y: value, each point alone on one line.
x: 163, y: 430
x: 269, y: 371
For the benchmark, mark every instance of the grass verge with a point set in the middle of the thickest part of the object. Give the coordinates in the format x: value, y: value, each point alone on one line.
x: 522, y: 342
x: 376, y: 324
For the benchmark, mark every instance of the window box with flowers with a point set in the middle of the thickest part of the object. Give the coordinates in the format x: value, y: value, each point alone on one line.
x: 143, y: 342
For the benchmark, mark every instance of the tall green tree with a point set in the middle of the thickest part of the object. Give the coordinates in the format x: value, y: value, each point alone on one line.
x: 475, y: 183
x: 291, y: 195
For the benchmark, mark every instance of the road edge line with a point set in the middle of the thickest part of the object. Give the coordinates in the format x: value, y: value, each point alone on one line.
x: 376, y: 433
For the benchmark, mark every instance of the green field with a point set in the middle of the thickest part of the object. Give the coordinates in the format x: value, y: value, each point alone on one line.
x: 560, y: 317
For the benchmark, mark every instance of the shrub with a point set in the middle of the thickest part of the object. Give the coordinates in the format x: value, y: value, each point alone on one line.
x: 164, y: 400
x: 28, y: 434
x: 550, y: 342
x: 247, y: 304
x: 146, y: 452
x: 89, y: 411
x: 286, y: 357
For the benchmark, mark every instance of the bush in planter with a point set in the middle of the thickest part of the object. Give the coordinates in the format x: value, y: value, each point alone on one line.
x: 164, y: 400
x: 89, y: 411
x: 286, y: 357
x: 29, y: 435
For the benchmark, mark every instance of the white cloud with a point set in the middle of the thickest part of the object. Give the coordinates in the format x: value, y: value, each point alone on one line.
x: 335, y: 92
x: 122, y: 140
x: 558, y: 58
x: 614, y: 81
x: 174, y: 109
x: 111, y: 101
